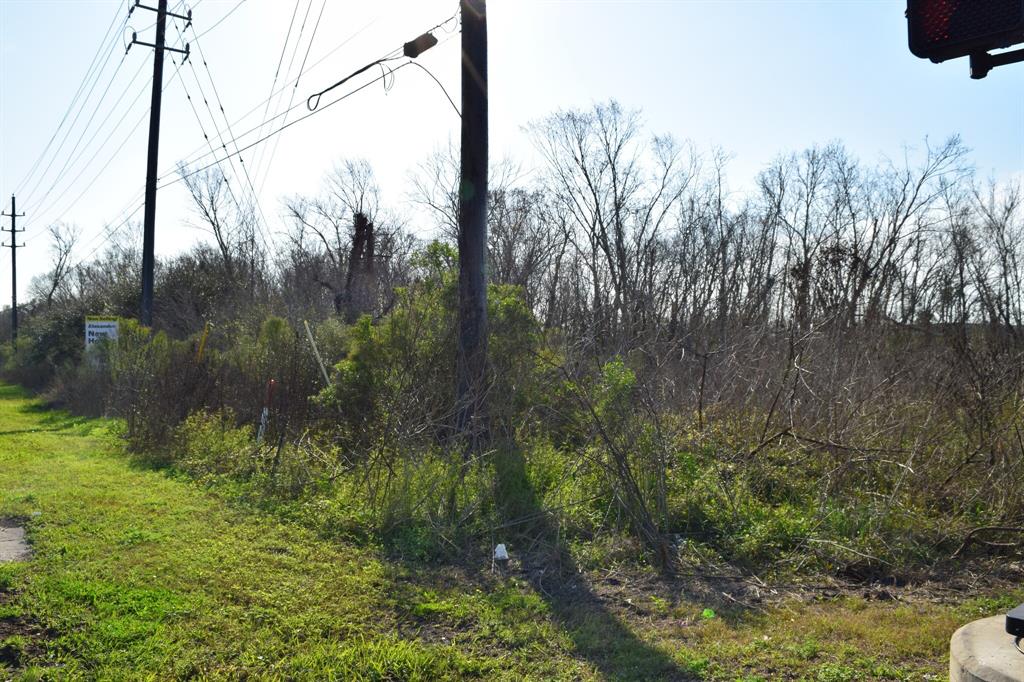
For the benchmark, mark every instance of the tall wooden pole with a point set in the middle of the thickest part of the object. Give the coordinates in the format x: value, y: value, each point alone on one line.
x: 149, y: 221
x: 472, y: 351
x: 13, y: 231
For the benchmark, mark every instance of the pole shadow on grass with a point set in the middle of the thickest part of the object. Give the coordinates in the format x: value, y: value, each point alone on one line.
x: 599, y: 636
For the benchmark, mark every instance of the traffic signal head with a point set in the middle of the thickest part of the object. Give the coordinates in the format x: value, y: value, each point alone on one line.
x: 946, y: 29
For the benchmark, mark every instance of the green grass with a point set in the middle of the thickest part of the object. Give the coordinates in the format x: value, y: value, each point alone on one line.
x: 138, y: 574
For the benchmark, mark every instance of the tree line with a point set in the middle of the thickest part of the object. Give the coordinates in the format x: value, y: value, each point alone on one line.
x: 842, y: 338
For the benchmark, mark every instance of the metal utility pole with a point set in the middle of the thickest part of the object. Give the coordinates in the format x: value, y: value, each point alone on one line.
x: 472, y: 351
x: 149, y: 220
x: 13, y: 230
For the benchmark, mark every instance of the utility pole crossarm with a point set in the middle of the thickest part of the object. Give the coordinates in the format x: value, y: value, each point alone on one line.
x: 136, y: 41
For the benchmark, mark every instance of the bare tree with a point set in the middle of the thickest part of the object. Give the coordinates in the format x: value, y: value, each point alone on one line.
x: 57, y: 282
x: 345, y: 225
x: 232, y: 225
x: 619, y: 190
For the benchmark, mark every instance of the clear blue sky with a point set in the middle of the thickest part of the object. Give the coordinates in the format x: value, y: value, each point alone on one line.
x: 755, y: 77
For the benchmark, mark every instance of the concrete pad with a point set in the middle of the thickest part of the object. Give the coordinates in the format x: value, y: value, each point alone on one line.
x: 982, y: 651
x: 13, y: 546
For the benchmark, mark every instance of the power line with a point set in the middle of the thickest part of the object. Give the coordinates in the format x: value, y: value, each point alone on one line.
x: 88, y: 123
x: 440, y: 85
x: 195, y: 156
x: 220, y: 105
x: 149, y: 221
x: 277, y: 72
x: 104, y: 236
x: 295, y: 88
x: 110, y: 232
x: 202, y: 129
x: 113, y: 156
x: 81, y: 149
x: 95, y: 154
x: 103, y: 145
x: 298, y: 41
x: 221, y: 20
x: 280, y: 60
x: 285, y: 126
x: 74, y: 99
x: 71, y: 154
x: 71, y: 127
x: 48, y: 207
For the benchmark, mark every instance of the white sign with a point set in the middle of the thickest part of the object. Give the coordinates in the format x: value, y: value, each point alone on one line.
x: 99, y: 328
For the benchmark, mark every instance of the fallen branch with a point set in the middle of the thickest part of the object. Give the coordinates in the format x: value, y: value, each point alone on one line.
x: 981, y: 529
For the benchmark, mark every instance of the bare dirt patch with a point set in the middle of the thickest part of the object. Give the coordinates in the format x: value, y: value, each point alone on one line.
x: 21, y: 638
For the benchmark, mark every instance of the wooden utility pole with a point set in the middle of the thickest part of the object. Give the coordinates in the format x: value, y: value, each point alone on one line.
x: 471, y: 414
x: 149, y: 219
x: 13, y: 231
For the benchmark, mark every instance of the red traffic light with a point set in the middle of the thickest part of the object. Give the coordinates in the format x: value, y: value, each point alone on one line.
x: 946, y: 29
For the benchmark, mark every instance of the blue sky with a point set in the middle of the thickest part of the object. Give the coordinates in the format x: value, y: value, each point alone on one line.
x: 754, y: 77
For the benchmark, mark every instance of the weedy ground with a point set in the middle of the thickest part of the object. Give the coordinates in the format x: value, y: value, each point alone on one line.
x: 138, y: 574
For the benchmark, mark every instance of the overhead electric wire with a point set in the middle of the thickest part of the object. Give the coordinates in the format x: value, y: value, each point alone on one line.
x: 220, y: 105
x: 440, y: 85
x: 88, y: 123
x: 206, y: 137
x: 376, y: 62
x: 44, y: 211
x: 280, y: 60
x: 298, y: 41
x: 286, y: 126
x: 309, y: 47
x: 30, y: 193
x: 219, y: 134
x: 83, y: 132
x: 136, y: 198
x: 221, y: 20
x: 303, y: 118
x: 111, y: 39
x: 277, y: 69
x: 295, y: 88
x: 72, y: 158
x: 165, y: 86
x: 106, y: 165
x: 177, y: 7
x: 40, y: 212
x: 71, y: 105
x: 110, y: 232
x: 107, y: 235
x: 196, y: 155
x: 142, y: 91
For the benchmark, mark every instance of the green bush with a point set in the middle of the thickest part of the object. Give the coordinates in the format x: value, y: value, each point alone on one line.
x: 208, y: 444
